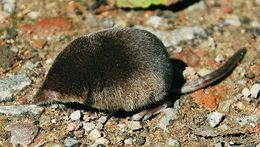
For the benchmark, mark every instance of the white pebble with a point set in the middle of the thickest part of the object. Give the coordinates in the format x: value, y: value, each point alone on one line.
x: 128, y: 141
x: 134, y: 125
x: 76, y: 115
x: 88, y: 126
x: 215, y: 118
x: 94, y: 135
x: 246, y: 92
x: 255, y: 89
x: 102, y: 119
x: 219, y: 58
x: 102, y: 140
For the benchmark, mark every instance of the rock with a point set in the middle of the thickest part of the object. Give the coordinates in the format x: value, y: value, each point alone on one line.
x: 60, y: 106
x: 102, y: 141
x: 255, y: 24
x: 80, y: 133
x: 215, y: 118
x: 169, y: 114
x: 108, y: 23
x: 233, y: 20
x: 7, y: 56
x: 88, y: 126
x: 11, y: 84
x: 246, y: 92
x: 136, y: 117
x: 250, y: 75
x: 140, y: 140
x: 204, y: 71
x: 94, y: 135
x: 70, y: 142
x: 141, y: 3
x: 99, y: 126
x: 72, y: 126
x: 173, y: 143
x: 76, y: 115
x: 33, y: 14
x: 212, y: 43
x: 134, y: 125
x: 258, y: 145
x: 156, y: 21
x: 102, y: 119
x: 178, y: 49
x: 28, y: 65
x: 197, y: 6
x: 255, y: 89
x: 22, y: 133
x: 173, y: 38
x: 4, y: 17
x: 19, y: 110
x: 219, y: 58
x: 258, y: 3
x: 128, y: 141
x: 247, y: 119
x: 9, y: 5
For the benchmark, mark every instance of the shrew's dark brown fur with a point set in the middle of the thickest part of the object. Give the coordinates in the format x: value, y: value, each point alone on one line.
x: 116, y: 69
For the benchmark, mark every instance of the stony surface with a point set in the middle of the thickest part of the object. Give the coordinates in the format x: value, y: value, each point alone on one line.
x: 18, y: 110
x: 10, y: 85
x: 22, y: 133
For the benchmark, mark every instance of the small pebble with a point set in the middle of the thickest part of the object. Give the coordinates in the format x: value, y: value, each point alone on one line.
x: 108, y: 23
x: 134, y: 125
x: 53, y: 121
x: 33, y: 14
x: 76, y: 115
x: 173, y: 143
x: 212, y: 43
x: 70, y: 142
x: 94, y: 135
x: 156, y: 21
x: 250, y: 75
x: 178, y: 49
x: 102, y: 119
x: 219, y: 58
x: 246, y: 92
x: 169, y: 115
x: 72, y: 126
x: 233, y: 20
x: 215, y: 118
x: 80, y: 133
x: 89, y: 126
x: 99, y: 126
x: 136, y: 117
x: 140, y: 140
x: 102, y: 141
x: 255, y: 89
x: 128, y: 141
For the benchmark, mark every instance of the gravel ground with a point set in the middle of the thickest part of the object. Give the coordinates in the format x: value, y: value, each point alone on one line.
x: 202, y: 35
